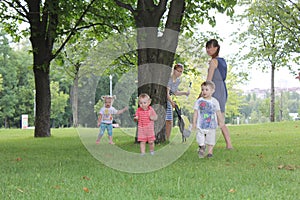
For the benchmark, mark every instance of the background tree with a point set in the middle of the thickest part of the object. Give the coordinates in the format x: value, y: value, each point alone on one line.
x: 286, y: 13
x: 59, y: 103
x: 71, y: 62
x: 43, y: 19
x: 266, y: 41
x: 16, y: 97
x: 234, y: 101
x: 47, y: 21
x: 1, y: 82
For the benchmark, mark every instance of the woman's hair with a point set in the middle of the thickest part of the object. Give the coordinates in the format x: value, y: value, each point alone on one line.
x: 178, y: 65
x: 213, y: 43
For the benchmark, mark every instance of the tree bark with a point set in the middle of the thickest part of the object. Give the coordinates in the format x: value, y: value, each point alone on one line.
x: 74, y: 102
x: 272, y: 103
x: 43, y: 103
x: 74, y: 96
x: 42, y: 35
x: 156, y: 52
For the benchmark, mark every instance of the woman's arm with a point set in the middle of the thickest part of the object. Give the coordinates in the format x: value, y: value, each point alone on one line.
x: 169, y: 98
x: 180, y: 93
x: 213, y: 64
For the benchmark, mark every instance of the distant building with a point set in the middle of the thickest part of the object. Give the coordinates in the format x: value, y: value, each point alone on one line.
x: 262, y: 93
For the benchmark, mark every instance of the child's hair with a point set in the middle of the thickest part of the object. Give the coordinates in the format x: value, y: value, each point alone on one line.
x: 108, y: 97
x: 144, y: 95
x: 209, y: 84
x: 213, y: 43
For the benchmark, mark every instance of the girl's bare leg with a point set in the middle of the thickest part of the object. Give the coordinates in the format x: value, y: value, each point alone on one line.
x: 168, y: 129
x: 151, y: 146
x: 142, y: 147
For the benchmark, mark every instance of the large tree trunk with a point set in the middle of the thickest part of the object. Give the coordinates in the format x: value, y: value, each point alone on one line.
x: 156, y: 53
x: 41, y: 65
x: 43, y: 19
x: 42, y: 35
x: 43, y: 103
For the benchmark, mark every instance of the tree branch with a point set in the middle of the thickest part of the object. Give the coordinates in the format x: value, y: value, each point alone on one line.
x: 294, y: 4
x: 124, y: 5
x: 92, y: 25
x: 162, y: 5
x: 73, y: 30
x: 11, y: 4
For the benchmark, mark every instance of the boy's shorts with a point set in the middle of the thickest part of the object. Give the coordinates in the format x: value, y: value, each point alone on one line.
x: 206, y: 136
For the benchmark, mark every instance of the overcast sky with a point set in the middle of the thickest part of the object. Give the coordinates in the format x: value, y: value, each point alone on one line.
x: 257, y: 78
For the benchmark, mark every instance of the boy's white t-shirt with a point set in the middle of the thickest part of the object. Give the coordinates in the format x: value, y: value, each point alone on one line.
x: 207, y: 117
x: 107, y: 114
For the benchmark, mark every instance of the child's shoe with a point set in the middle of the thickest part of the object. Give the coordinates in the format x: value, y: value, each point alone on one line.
x: 151, y: 153
x: 201, y: 151
x: 97, y: 141
x: 209, y: 155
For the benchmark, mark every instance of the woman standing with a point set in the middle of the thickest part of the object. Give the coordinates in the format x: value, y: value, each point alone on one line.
x: 217, y: 73
x: 172, y: 89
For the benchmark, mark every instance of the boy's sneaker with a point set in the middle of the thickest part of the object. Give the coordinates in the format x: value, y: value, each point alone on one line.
x: 201, y: 151
x: 209, y: 155
x: 151, y: 153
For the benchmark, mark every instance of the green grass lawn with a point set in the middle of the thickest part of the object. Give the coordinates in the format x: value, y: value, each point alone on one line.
x: 265, y: 164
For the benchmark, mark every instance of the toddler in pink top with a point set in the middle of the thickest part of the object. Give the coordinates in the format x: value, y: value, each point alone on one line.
x: 145, y: 116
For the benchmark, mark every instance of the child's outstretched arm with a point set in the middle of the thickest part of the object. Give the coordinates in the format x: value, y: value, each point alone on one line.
x: 122, y: 110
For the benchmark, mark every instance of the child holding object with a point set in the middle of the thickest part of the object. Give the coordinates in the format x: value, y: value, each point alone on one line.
x: 145, y: 116
x: 105, y: 118
x: 207, y: 116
